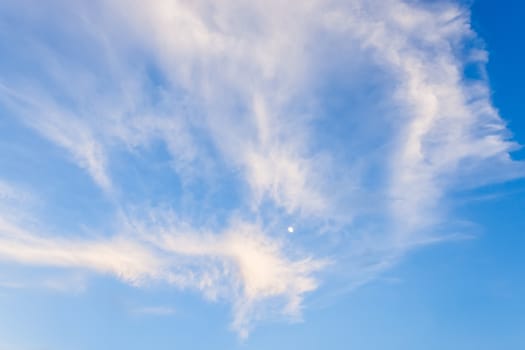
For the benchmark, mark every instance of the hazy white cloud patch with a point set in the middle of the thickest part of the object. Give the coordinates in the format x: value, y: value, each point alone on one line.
x: 243, y: 264
x: 347, y: 123
x: 154, y: 310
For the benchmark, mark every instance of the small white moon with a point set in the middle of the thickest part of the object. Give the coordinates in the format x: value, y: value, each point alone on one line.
x: 290, y: 229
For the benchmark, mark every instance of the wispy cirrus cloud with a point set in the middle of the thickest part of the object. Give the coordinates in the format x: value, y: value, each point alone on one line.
x: 155, y: 310
x: 62, y: 128
x: 353, y: 119
x: 242, y: 264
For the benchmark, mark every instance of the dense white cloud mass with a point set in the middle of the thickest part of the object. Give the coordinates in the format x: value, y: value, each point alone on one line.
x: 354, y: 119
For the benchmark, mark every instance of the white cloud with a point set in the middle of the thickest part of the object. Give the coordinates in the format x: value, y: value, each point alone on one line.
x: 248, y: 92
x: 128, y: 260
x: 63, y: 128
x: 243, y: 264
x: 155, y: 310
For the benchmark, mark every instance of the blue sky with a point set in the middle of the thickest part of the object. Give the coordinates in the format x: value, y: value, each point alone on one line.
x: 155, y: 157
